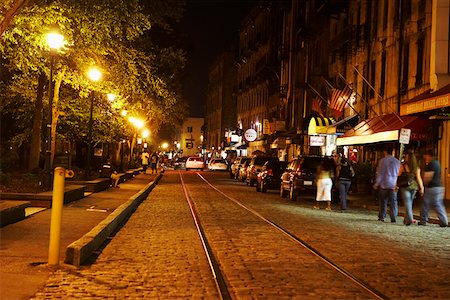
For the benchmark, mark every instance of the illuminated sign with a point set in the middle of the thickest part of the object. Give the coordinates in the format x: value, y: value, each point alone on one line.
x: 250, y: 135
x: 316, y: 140
x: 425, y: 105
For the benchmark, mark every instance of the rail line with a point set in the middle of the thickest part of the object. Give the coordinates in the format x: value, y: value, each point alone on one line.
x: 214, y: 266
x: 359, y: 282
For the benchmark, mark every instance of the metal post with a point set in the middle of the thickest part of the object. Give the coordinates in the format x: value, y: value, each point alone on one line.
x: 48, y: 164
x: 90, y: 137
x: 121, y: 155
x: 56, y: 216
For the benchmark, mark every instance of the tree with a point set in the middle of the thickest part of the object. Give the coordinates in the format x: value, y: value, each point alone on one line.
x: 102, y: 32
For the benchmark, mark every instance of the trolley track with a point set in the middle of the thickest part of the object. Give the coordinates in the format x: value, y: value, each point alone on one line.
x: 215, y: 268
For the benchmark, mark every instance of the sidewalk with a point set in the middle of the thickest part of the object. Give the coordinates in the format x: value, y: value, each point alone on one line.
x: 24, y: 245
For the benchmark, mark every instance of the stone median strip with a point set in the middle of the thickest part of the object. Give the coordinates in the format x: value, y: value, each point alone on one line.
x: 80, y: 250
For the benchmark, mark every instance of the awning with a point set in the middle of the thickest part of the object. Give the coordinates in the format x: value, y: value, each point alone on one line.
x: 342, y: 126
x: 427, y: 101
x: 383, y: 128
x: 318, y: 125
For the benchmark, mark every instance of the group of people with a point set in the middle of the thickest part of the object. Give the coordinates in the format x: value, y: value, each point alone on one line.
x: 392, y: 177
x: 325, y: 174
x: 407, y: 179
x: 146, y: 159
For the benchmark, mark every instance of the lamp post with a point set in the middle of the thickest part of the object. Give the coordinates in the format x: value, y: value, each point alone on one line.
x: 94, y: 75
x: 55, y: 41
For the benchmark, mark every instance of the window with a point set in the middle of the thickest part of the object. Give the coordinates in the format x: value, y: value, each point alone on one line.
x: 373, y: 66
x: 189, y: 129
x: 375, y: 18
x: 383, y: 73
x: 405, y: 70
x: 419, y: 70
x: 385, y: 14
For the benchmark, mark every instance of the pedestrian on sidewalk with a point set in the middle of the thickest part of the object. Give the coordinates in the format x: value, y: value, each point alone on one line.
x: 115, y: 177
x: 144, y: 160
x: 325, y: 173
x: 386, y: 183
x: 434, y: 191
x: 410, y: 171
x: 154, y: 162
x: 344, y: 175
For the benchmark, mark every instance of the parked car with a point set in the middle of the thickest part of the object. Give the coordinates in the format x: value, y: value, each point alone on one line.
x: 270, y: 175
x: 300, y: 175
x: 238, y: 162
x: 194, y: 162
x: 242, y: 172
x: 180, y: 163
x: 218, y: 164
x: 255, y: 167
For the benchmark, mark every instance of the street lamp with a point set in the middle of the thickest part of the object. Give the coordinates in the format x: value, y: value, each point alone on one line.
x: 111, y: 97
x: 94, y: 75
x: 55, y: 41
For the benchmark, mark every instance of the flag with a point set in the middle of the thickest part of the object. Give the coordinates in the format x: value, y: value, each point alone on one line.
x: 317, y: 105
x: 339, y: 98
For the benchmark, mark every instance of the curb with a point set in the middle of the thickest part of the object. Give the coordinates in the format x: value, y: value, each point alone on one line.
x: 80, y: 250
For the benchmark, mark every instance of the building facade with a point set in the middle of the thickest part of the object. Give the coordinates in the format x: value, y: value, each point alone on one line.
x: 386, y: 63
x: 220, y: 116
x: 190, y: 137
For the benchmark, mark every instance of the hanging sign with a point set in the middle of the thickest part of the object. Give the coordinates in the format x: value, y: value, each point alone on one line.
x: 250, y: 135
x: 405, y: 136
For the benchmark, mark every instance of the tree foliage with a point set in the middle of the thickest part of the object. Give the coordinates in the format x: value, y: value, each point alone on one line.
x: 114, y: 35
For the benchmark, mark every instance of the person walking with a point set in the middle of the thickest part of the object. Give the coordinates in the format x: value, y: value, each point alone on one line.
x: 154, y: 162
x: 325, y: 173
x: 410, y: 171
x: 386, y: 183
x: 344, y: 175
x: 144, y: 160
x: 434, y: 191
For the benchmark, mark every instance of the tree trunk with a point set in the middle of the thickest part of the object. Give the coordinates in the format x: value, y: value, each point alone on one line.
x: 15, y: 8
x: 33, y: 162
x: 55, y: 113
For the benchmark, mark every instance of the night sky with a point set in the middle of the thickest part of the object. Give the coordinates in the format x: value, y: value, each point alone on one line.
x: 210, y: 27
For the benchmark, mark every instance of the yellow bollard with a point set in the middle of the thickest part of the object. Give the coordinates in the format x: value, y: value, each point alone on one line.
x: 55, y: 225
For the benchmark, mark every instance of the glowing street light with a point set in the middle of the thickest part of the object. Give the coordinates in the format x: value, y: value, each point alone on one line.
x: 55, y: 41
x: 145, y: 133
x: 164, y: 145
x: 111, y: 97
x: 94, y: 75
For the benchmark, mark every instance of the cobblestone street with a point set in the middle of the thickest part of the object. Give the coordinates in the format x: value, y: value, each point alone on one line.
x: 158, y: 253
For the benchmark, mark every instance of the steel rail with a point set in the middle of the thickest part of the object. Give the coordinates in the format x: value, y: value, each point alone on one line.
x: 359, y: 282
x: 214, y: 266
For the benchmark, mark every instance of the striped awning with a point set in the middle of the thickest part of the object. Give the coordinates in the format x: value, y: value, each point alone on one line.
x: 318, y: 125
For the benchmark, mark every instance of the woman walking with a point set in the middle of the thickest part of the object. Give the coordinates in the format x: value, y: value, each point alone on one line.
x: 325, y: 173
x: 409, y: 182
x: 344, y: 174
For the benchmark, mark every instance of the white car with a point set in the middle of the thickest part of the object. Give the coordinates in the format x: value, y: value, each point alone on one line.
x: 194, y: 162
x: 218, y: 164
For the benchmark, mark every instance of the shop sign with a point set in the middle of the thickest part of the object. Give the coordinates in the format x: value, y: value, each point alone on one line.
x: 405, y: 136
x: 250, y: 135
x: 425, y: 105
x: 234, y: 138
x: 316, y: 140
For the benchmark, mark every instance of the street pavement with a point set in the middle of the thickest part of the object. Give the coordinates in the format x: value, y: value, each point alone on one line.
x: 24, y: 245
x: 158, y: 254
